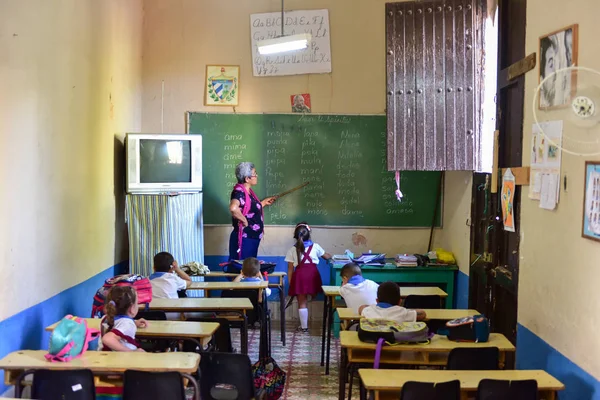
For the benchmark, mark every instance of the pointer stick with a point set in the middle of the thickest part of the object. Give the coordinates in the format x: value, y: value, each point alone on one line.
x: 291, y: 190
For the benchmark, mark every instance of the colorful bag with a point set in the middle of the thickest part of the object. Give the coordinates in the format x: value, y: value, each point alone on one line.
x: 142, y: 286
x: 70, y: 339
x: 370, y: 330
x: 469, y: 329
x: 269, y: 379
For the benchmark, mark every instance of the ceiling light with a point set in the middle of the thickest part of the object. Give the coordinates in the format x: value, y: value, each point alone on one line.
x: 284, y: 44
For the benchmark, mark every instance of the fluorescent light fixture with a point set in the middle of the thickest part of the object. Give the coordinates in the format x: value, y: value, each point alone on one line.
x: 284, y: 44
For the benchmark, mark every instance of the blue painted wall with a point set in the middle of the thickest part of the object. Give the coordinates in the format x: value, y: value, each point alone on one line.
x: 25, y: 330
x: 461, y: 292
x: 534, y: 353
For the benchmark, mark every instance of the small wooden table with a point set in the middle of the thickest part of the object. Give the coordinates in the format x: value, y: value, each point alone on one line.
x: 99, y: 362
x: 198, y: 332
x: 279, y: 284
x: 435, y: 353
x: 208, y: 286
x: 331, y: 292
x: 390, y: 382
x: 444, y: 314
x: 237, y: 306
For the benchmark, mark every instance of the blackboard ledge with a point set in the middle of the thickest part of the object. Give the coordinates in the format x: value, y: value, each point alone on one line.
x: 338, y: 226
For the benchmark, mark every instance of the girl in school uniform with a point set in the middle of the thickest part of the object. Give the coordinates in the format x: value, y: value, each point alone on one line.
x: 303, y: 274
x: 118, y: 326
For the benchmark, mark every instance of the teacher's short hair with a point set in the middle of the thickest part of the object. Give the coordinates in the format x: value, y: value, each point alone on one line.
x: 243, y: 170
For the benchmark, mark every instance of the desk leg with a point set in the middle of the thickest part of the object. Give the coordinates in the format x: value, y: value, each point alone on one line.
x: 329, y: 326
x: 363, y: 390
x: 244, y: 334
x: 502, y: 360
x: 282, y: 312
x: 324, y: 330
x: 343, y: 374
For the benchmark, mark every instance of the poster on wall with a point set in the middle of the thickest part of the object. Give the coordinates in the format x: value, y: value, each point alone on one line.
x: 316, y: 59
x: 222, y: 85
x: 300, y: 103
x: 591, y: 201
x: 545, y: 161
x: 507, y: 195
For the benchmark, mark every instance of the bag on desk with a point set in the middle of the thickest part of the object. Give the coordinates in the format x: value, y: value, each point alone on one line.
x: 70, y: 339
x: 142, y: 286
x: 469, y: 329
x: 371, y: 330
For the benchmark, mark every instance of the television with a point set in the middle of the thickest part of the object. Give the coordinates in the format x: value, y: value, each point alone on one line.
x: 163, y: 163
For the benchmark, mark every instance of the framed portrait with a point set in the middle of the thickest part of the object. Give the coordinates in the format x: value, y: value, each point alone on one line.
x: 300, y: 103
x: 591, y: 201
x: 558, y: 50
x: 222, y: 85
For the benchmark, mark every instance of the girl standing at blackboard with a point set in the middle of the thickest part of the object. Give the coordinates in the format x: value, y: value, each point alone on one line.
x: 303, y: 274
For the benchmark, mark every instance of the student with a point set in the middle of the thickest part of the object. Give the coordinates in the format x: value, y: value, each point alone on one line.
x: 167, y: 278
x: 388, y: 306
x: 356, y: 290
x: 118, y: 326
x: 251, y: 273
x: 303, y: 274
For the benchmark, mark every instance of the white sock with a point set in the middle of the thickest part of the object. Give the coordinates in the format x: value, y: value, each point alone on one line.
x: 303, y: 313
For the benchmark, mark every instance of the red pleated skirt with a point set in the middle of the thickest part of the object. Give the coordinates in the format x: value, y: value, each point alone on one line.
x: 305, y: 280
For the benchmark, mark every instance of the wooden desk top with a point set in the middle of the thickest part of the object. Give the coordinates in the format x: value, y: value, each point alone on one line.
x: 228, y: 285
x: 404, y: 291
x: 349, y: 339
x: 348, y: 314
x: 393, y: 379
x: 100, y: 361
x: 200, y: 304
x: 179, y: 329
x: 230, y: 274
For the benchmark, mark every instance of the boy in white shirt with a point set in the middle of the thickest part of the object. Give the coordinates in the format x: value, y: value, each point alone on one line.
x: 167, y: 278
x: 388, y: 306
x: 356, y: 290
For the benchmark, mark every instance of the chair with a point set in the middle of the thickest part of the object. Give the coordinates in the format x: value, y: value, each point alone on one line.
x: 431, y: 301
x: 492, y: 389
x: 482, y: 358
x: 221, y: 339
x: 154, y: 345
x: 140, y: 385
x: 152, y: 315
x: 431, y: 391
x: 226, y: 376
x: 75, y: 384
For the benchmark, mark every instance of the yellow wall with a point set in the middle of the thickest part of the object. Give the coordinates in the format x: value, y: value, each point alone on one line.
x: 181, y: 37
x: 559, y: 270
x: 70, y: 81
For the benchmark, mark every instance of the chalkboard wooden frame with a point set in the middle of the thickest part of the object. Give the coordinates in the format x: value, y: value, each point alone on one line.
x: 425, y: 219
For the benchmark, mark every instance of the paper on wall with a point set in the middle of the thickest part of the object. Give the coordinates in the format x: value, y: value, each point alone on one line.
x: 550, y: 187
x: 507, y: 195
x: 546, y: 156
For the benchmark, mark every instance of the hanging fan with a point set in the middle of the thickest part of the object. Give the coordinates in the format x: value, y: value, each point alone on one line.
x: 572, y: 95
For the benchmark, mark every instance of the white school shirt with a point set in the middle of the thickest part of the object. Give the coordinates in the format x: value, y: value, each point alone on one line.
x: 363, y: 294
x: 394, y: 313
x: 165, y: 285
x: 125, y: 327
x: 316, y: 252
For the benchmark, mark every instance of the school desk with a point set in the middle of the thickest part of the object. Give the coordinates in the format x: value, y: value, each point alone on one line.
x: 348, y: 314
x: 278, y: 284
x: 387, y: 383
x: 434, y: 353
x: 217, y: 305
x: 99, y: 362
x: 331, y: 292
x: 198, y: 332
x: 208, y: 286
x: 438, y: 275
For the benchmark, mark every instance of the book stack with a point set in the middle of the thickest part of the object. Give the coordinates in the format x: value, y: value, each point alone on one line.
x: 406, y: 260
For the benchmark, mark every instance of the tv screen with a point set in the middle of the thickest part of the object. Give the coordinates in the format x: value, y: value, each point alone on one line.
x: 164, y: 161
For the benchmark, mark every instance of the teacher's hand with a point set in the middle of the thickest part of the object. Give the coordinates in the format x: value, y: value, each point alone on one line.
x: 268, y: 201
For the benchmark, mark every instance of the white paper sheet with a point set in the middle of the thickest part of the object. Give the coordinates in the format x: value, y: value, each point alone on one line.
x: 549, y: 191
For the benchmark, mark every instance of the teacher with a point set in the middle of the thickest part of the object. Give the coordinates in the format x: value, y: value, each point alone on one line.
x: 247, y: 214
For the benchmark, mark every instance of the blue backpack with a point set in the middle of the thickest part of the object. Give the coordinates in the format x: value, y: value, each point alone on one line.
x: 70, y: 339
x: 469, y: 329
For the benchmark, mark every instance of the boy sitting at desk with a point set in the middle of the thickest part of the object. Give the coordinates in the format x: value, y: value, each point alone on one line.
x: 388, y: 306
x: 167, y: 278
x: 251, y: 273
x: 356, y: 290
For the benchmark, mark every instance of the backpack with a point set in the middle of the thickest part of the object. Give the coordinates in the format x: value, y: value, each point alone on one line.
x: 370, y: 330
x: 269, y: 379
x: 70, y: 339
x: 142, y: 286
x: 469, y: 329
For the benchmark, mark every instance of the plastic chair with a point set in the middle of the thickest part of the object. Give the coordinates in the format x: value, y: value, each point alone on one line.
x: 492, y: 389
x: 76, y: 384
x: 140, y: 385
x: 482, y: 358
x: 226, y: 376
x: 160, y: 345
x: 431, y: 301
x: 152, y: 315
x: 430, y: 391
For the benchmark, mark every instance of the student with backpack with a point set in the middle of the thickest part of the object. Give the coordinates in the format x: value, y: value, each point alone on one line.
x: 389, y: 307
x: 303, y: 274
x: 118, y: 326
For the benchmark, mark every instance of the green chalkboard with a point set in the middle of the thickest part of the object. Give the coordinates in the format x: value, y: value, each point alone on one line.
x: 343, y: 157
